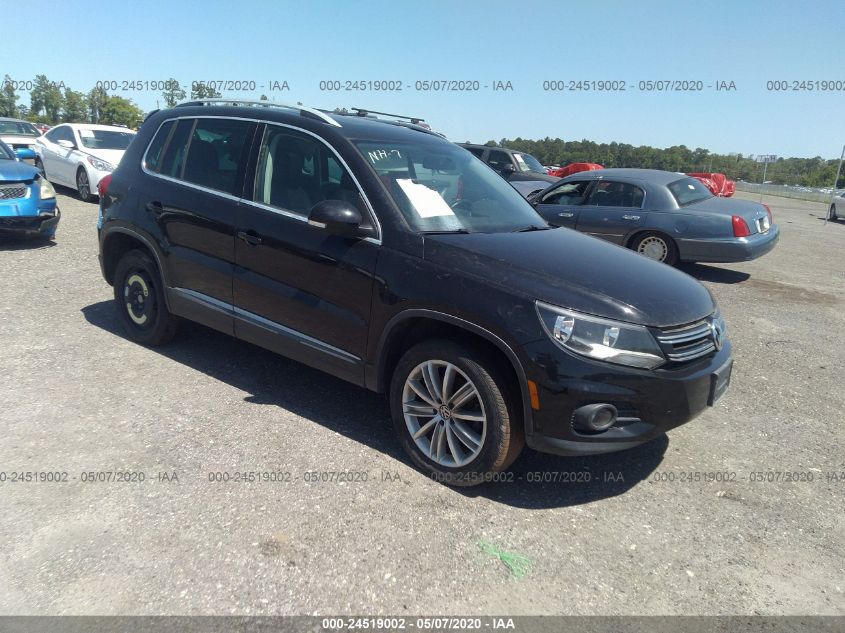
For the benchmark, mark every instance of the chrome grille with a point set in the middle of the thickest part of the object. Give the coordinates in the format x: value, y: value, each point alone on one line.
x: 10, y: 192
x: 687, y: 342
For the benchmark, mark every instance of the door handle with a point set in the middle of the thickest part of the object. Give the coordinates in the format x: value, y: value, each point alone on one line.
x: 155, y: 207
x: 565, y: 215
x: 630, y: 217
x: 249, y: 237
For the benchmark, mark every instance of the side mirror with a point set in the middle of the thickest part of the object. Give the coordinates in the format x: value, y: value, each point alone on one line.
x: 506, y: 170
x: 66, y: 144
x: 338, y: 217
x: 24, y: 153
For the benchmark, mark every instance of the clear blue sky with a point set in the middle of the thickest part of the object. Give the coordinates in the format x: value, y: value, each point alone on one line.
x: 525, y: 42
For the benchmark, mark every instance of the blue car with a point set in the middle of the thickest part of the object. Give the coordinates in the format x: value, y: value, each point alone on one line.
x: 27, y: 200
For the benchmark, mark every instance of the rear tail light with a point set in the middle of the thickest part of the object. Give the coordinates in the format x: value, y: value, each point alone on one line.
x: 740, y: 227
x: 769, y: 212
x: 103, y: 185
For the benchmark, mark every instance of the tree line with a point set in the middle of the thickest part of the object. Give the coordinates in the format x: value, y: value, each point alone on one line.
x: 53, y: 102
x: 806, y: 172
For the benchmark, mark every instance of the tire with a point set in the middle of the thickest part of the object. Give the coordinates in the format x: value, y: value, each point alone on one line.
x: 83, y: 185
x: 831, y: 214
x: 40, y: 167
x: 139, y: 300
x: 451, y: 448
x: 656, y: 246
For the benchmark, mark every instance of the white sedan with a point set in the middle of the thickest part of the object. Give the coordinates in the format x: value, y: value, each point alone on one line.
x: 837, y: 207
x: 79, y: 155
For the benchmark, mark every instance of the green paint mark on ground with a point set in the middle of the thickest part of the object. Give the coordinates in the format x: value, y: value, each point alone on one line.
x: 517, y: 564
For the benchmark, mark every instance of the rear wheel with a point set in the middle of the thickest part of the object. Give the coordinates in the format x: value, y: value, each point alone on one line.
x: 656, y: 246
x: 454, y: 413
x: 83, y: 186
x: 139, y: 299
x: 831, y: 214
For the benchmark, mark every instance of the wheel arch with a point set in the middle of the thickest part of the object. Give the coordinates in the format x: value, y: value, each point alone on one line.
x: 416, y: 325
x: 119, y: 241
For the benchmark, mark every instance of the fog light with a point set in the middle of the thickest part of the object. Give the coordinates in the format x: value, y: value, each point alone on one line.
x: 594, y: 418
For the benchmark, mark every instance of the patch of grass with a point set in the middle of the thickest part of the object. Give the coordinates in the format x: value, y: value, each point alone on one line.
x: 517, y: 564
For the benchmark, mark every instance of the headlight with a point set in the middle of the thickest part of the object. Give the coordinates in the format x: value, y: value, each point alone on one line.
x: 601, y: 339
x: 100, y: 165
x: 45, y: 189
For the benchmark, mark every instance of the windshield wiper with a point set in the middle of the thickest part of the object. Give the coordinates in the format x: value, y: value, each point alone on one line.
x: 532, y: 227
x: 446, y: 232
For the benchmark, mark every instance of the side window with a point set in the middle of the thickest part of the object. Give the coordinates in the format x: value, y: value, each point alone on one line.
x: 154, y: 151
x: 295, y: 172
x: 174, y: 155
x: 498, y: 159
x: 216, y: 153
x: 616, y: 194
x: 53, y: 135
x: 570, y: 193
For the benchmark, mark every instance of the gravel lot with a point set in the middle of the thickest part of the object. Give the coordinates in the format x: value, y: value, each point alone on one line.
x: 638, y: 538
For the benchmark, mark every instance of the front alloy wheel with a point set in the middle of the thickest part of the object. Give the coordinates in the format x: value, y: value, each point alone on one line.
x: 444, y: 413
x: 83, y: 186
x: 456, y: 413
x: 831, y: 215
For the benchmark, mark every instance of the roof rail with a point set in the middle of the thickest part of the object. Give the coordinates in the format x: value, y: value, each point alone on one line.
x: 364, y: 112
x: 322, y: 116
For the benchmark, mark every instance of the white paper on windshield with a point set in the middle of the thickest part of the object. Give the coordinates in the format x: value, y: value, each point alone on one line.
x: 427, y: 203
x: 86, y: 133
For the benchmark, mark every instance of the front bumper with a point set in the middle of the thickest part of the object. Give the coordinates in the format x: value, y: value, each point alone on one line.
x: 29, y: 224
x: 737, y: 249
x: 652, y: 402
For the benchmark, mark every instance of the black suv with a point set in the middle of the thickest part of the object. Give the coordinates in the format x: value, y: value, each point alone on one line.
x: 522, y: 170
x: 381, y: 253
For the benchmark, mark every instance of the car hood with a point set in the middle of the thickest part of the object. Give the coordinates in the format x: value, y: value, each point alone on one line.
x: 576, y: 271
x: 15, y: 171
x: 11, y: 139
x: 112, y: 156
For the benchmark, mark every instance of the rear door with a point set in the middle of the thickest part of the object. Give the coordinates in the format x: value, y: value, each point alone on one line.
x: 561, y: 205
x: 612, y: 211
x: 297, y: 289
x: 195, y: 170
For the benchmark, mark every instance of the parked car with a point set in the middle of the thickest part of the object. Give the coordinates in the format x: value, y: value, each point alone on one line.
x: 666, y: 216
x: 837, y: 207
x: 79, y: 155
x: 18, y: 134
x: 27, y: 200
x: 574, y: 168
x: 522, y: 170
x: 42, y: 127
x: 332, y: 240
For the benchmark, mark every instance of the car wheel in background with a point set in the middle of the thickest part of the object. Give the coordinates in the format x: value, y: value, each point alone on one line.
x: 139, y: 299
x: 831, y: 214
x: 454, y: 413
x: 656, y: 246
x: 83, y: 186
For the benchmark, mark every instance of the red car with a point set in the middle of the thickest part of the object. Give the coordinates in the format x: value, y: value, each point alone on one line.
x: 572, y: 168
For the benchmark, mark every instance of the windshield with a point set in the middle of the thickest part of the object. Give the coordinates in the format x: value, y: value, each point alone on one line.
x: 688, y: 191
x: 6, y: 152
x: 527, y: 162
x: 105, y: 139
x: 440, y: 187
x: 18, y: 128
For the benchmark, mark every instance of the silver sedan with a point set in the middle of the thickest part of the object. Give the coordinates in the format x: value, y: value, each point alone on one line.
x: 837, y: 207
x: 663, y: 215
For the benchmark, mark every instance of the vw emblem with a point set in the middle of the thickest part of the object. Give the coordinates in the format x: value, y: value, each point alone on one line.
x: 718, y: 335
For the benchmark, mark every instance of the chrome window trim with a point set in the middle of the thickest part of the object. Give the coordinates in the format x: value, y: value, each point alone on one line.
x: 283, y: 212
x: 271, y: 326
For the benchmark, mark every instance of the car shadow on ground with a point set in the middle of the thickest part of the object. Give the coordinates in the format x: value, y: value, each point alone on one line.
x: 24, y: 243
x: 714, y: 274
x: 534, y: 481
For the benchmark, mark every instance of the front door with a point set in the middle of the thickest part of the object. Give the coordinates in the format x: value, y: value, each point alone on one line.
x: 561, y: 205
x: 613, y: 211
x: 298, y: 289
